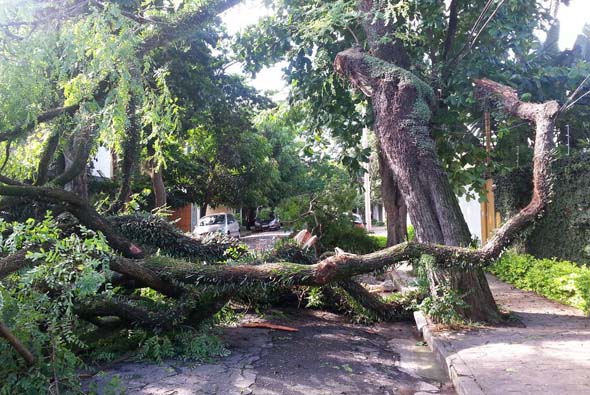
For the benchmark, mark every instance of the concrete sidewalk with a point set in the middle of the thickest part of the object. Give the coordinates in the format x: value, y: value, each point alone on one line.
x: 549, y: 355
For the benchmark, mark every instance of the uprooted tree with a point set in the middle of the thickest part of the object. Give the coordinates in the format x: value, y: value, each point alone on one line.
x: 147, y: 253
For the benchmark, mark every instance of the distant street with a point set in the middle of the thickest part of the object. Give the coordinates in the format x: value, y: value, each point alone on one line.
x: 264, y: 240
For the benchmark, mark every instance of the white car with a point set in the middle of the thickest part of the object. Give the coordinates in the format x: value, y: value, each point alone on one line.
x: 222, y: 222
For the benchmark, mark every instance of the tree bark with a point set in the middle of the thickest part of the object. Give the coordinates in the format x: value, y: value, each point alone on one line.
x: 157, y: 178
x: 401, y: 104
x: 393, y: 202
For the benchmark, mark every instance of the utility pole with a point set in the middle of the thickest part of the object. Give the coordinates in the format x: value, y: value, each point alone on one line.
x: 489, y: 219
x: 367, y: 183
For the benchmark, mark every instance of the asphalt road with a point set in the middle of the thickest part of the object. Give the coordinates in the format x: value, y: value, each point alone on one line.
x: 264, y: 240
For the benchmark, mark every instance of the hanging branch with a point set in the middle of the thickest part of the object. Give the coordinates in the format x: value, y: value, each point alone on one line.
x: 18, y: 346
x: 44, y: 117
x: 85, y: 213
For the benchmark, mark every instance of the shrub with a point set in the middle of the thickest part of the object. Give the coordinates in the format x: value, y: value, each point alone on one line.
x: 562, y: 281
x: 351, y: 239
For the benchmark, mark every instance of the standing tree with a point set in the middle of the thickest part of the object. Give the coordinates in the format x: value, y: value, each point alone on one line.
x: 426, y: 121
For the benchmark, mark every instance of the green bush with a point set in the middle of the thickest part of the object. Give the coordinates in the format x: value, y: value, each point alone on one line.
x: 381, y: 242
x: 562, y: 281
x: 345, y: 235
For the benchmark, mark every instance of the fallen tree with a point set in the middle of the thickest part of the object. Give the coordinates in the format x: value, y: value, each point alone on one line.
x: 190, y: 284
x: 159, y: 272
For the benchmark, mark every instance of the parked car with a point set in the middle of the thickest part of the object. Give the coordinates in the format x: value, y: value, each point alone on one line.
x: 222, y: 222
x: 272, y: 223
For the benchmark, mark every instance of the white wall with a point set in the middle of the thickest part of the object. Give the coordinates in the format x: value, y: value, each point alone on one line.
x: 472, y: 213
x: 102, y: 164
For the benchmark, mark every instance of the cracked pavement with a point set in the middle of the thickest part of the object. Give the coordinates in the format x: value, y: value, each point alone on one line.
x: 328, y: 355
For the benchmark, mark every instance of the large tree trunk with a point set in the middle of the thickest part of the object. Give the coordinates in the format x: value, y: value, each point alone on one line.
x: 393, y: 202
x: 401, y: 104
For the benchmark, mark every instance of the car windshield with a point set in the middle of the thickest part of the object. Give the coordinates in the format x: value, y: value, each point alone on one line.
x: 212, y: 220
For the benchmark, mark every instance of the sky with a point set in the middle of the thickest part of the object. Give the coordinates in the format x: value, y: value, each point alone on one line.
x: 572, y: 20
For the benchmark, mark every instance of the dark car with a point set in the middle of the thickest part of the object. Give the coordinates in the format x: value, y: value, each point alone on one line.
x: 267, y: 224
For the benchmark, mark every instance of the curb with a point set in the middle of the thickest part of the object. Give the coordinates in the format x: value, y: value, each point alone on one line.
x: 459, y: 373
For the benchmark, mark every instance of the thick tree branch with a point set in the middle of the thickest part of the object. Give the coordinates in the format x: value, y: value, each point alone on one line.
x: 6, y: 156
x: 130, y: 157
x: 543, y: 116
x: 46, y: 157
x: 383, y: 311
x: 9, y: 181
x: 384, y: 45
x: 86, y: 214
x: 44, y: 117
x: 82, y: 145
x: 14, y: 262
x: 184, y: 26
x: 18, y: 346
x: 452, y: 29
x: 333, y: 269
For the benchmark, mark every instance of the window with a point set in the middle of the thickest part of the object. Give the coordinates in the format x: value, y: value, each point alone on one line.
x: 230, y: 219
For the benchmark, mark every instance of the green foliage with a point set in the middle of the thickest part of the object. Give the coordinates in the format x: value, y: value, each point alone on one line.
x: 380, y: 242
x: 411, y: 233
x: 562, y: 281
x: 443, y: 308
x: 343, y: 234
x: 326, y: 212
x: 286, y: 250
x: 188, y: 345
x: 158, y: 235
x: 441, y: 304
x: 75, y: 267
